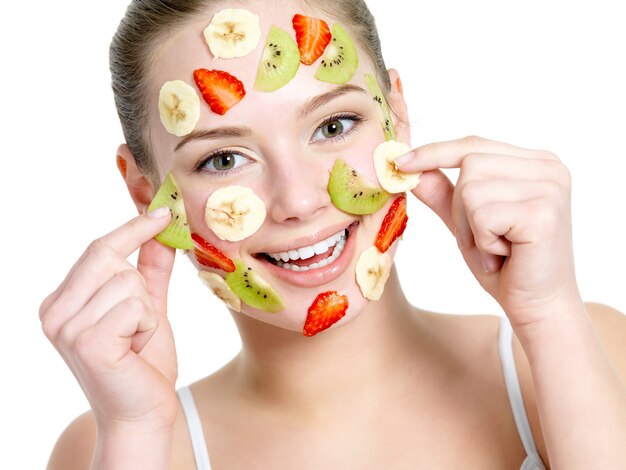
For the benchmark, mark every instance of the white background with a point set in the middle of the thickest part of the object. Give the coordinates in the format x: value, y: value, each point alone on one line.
x: 535, y: 73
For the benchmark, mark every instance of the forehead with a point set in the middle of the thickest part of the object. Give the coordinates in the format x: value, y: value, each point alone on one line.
x: 186, y: 50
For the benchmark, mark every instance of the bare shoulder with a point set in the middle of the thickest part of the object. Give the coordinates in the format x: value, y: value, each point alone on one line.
x: 74, y: 448
x: 610, y: 325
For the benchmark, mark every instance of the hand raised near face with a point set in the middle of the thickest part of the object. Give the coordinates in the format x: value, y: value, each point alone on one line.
x: 108, y: 321
x: 510, y: 212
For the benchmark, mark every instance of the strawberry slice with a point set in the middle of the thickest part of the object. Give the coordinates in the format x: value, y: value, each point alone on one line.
x: 312, y: 35
x: 208, y: 255
x: 393, y: 224
x: 219, y: 89
x: 326, y: 309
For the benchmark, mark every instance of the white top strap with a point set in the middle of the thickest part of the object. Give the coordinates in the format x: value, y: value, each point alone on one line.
x: 505, y: 345
x: 194, y: 425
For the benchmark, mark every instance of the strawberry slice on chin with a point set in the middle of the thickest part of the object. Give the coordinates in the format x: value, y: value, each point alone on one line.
x: 312, y: 36
x: 326, y: 310
x: 220, y: 90
x: 393, y: 224
x: 207, y: 255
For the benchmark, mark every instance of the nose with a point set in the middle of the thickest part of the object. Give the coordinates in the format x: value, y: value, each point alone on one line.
x: 299, y: 189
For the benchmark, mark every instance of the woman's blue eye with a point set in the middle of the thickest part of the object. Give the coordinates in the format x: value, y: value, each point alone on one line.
x: 223, y: 161
x: 335, y: 127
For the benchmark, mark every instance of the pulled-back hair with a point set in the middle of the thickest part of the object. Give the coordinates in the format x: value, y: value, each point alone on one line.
x: 146, y: 22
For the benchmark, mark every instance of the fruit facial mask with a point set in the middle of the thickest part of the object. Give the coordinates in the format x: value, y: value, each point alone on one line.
x: 352, y: 193
x: 327, y: 309
x: 179, y: 107
x: 279, y: 62
x: 234, y: 213
x: 381, y: 104
x: 176, y: 234
x: 220, y: 90
x: 389, y: 177
x: 252, y: 289
x: 340, y: 59
x: 220, y: 289
x: 233, y: 32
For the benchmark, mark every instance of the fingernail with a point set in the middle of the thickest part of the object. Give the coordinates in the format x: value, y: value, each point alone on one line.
x: 490, y: 264
x: 403, y: 159
x: 159, y: 212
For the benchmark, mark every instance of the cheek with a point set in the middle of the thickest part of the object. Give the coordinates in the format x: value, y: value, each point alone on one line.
x: 359, y: 157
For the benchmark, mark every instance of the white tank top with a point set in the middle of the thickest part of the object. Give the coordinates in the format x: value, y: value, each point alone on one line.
x: 505, y: 346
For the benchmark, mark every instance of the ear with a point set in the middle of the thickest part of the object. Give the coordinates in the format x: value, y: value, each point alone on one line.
x: 395, y: 100
x: 139, y: 185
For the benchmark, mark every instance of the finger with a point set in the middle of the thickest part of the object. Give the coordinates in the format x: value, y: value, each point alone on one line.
x: 155, y: 264
x: 496, y: 166
x: 124, y: 240
x: 450, y: 154
x: 436, y: 191
x: 102, y: 265
x: 123, y: 285
x: 126, y: 328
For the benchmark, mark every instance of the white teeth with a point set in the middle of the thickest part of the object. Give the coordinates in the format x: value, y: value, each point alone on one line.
x: 336, y: 253
x: 307, y: 252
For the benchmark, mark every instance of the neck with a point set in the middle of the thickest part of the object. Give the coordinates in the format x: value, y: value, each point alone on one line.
x: 339, y: 364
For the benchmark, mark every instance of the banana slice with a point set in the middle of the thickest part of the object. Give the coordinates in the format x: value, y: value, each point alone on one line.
x: 179, y: 107
x: 389, y: 177
x: 233, y: 32
x: 234, y: 213
x: 218, y: 286
x: 372, y: 271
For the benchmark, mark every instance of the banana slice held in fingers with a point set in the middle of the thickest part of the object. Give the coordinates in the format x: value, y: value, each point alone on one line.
x: 372, y: 271
x: 234, y: 213
x: 389, y: 177
x: 179, y: 107
x: 233, y: 32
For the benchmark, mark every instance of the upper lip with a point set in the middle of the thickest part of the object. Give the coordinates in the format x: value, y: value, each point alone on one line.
x: 307, y: 240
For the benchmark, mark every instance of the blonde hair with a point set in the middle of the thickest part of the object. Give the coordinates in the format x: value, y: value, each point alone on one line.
x: 134, y: 49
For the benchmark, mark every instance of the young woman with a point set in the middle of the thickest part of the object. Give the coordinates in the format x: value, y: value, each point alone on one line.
x: 381, y: 384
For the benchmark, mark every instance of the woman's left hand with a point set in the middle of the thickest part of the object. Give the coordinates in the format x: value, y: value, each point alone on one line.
x: 510, y: 212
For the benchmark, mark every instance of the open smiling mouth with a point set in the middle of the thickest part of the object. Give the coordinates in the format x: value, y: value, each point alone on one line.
x: 306, y: 258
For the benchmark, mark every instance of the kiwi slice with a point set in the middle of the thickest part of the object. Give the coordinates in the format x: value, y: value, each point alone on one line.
x: 177, y: 233
x: 383, y: 108
x: 279, y: 62
x: 253, y: 289
x: 352, y: 193
x: 340, y: 59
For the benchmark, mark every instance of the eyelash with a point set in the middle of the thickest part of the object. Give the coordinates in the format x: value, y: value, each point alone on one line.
x: 355, y: 118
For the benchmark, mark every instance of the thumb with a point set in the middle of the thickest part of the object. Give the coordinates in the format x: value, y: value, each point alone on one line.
x: 155, y: 263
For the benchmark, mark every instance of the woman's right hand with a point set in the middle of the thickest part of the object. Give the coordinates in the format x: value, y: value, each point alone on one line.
x: 108, y: 321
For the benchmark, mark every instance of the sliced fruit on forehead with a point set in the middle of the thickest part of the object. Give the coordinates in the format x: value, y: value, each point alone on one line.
x: 389, y: 176
x: 340, y: 59
x: 383, y: 108
x: 252, y: 289
x: 234, y: 213
x: 208, y: 255
x: 176, y: 234
x: 312, y: 36
x: 279, y: 62
x: 372, y: 271
x: 326, y: 310
x: 393, y: 224
x: 220, y: 289
x: 220, y: 90
x: 233, y: 32
x: 179, y: 107
x: 352, y: 193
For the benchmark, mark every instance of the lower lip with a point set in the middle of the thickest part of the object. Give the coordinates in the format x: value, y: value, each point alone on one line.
x: 318, y: 276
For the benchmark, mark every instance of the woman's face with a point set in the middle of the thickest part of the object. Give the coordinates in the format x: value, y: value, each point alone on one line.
x: 281, y: 145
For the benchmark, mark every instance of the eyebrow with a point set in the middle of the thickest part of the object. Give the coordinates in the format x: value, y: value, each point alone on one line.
x: 320, y: 100
x: 217, y: 133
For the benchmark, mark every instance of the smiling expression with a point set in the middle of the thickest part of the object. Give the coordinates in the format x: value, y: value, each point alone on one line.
x: 282, y: 145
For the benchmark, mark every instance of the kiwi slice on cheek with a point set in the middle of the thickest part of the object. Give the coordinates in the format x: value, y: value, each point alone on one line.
x: 279, y: 62
x: 252, y: 289
x: 383, y: 108
x: 340, y: 60
x: 352, y: 193
x: 177, y: 233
